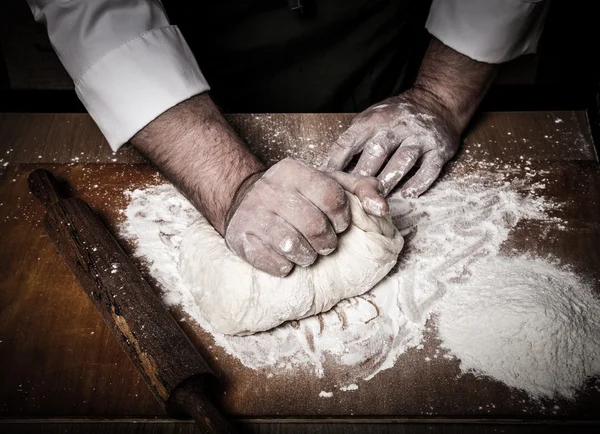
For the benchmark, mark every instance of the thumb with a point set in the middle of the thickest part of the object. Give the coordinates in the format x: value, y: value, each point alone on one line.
x: 365, y: 189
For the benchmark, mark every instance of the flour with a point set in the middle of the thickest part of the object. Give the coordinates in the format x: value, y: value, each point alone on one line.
x: 455, y: 234
x: 349, y: 387
x: 523, y: 323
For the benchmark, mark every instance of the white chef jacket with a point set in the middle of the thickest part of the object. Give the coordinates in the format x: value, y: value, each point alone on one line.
x: 129, y: 64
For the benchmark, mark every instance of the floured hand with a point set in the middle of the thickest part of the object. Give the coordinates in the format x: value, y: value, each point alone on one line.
x: 291, y: 213
x: 407, y: 129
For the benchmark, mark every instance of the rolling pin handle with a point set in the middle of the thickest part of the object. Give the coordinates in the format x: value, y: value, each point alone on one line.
x: 44, y: 186
x: 194, y: 402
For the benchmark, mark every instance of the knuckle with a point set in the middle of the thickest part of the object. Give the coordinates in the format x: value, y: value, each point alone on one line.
x: 435, y: 159
x: 390, y: 136
x: 347, y: 140
x: 375, y: 118
x: 408, y: 155
x: 376, y: 149
x: 327, y: 244
x: 437, y: 164
x: 378, y: 106
x: 319, y: 228
x: 381, y: 145
x: 366, y: 185
x: 288, y: 165
x: 334, y: 199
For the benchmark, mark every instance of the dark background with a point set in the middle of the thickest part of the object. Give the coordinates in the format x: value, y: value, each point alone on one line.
x: 562, y: 75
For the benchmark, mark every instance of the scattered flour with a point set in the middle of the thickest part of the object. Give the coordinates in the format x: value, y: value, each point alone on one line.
x: 526, y: 322
x: 349, y: 387
x: 324, y: 394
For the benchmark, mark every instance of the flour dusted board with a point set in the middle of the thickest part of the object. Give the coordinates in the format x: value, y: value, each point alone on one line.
x: 58, y: 360
x: 49, y: 327
x: 74, y: 138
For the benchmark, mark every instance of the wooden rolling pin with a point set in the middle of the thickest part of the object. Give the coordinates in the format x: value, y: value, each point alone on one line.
x: 175, y: 372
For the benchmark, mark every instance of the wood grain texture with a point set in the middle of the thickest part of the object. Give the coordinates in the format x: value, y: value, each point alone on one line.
x: 74, y: 138
x: 55, y: 350
x: 57, y: 359
x: 173, y: 369
x: 57, y: 138
x: 418, y: 388
x: 172, y: 427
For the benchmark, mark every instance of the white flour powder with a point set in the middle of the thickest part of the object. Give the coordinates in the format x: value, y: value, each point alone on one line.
x: 525, y: 322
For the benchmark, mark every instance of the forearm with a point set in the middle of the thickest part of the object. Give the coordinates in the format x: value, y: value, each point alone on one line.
x: 456, y: 81
x: 195, y: 147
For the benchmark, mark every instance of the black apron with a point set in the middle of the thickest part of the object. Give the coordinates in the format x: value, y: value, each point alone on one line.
x: 333, y: 56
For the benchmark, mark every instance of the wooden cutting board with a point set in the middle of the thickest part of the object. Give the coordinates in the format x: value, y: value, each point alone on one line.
x: 57, y: 359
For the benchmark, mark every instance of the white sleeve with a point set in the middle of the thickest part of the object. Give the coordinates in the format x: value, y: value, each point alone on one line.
x: 128, y: 63
x: 491, y: 31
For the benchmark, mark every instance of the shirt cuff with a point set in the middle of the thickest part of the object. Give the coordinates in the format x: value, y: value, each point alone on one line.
x: 137, y: 81
x: 491, y: 31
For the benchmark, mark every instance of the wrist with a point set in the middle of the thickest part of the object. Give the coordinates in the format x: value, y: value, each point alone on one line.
x: 454, y: 82
x: 435, y: 103
x: 220, y: 192
x: 239, y: 195
x: 198, y: 151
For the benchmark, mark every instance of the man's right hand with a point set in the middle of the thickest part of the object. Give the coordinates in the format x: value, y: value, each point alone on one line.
x: 292, y: 213
x: 272, y: 218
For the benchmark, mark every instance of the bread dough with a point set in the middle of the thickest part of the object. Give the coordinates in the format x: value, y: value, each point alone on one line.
x: 238, y: 299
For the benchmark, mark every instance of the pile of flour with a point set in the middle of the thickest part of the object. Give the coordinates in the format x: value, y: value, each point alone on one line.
x: 528, y: 322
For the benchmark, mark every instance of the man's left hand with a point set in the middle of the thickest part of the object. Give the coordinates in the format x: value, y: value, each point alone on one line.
x: 407, y: 129
x: 421, y: 126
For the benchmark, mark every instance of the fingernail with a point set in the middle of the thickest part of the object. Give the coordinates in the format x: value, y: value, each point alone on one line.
x: 339, y: 228
x: 374, y: 207
x: 409, y: 193
x: 285, y: 270
x: 326, y: 252
x: 381, y: 188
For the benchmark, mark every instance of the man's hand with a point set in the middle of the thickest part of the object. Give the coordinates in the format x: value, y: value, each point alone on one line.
x: 291, y: 213
x: 406, y: 129
x: 198, y: 151
x: 423, y: 125
x: 275, y: 218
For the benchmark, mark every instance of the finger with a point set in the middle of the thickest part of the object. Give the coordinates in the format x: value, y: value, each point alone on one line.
x: 346, y: 146
x: 329, y: 197
x: 401, y: 162
x: 366, y: 189
x: 311, y: 223
x: 252, y: 250
x: 283, y: 238
x: 430, y: 169
x: 375, y: 152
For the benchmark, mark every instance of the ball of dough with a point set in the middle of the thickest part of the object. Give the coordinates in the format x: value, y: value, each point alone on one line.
x: 238, y: 299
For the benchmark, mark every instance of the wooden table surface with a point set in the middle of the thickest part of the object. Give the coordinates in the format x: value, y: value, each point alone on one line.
x: 59, y: 363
